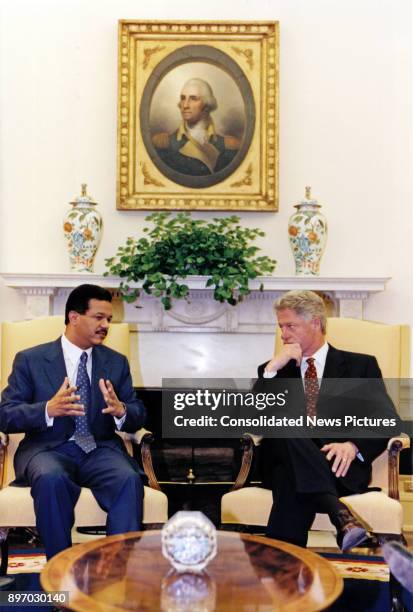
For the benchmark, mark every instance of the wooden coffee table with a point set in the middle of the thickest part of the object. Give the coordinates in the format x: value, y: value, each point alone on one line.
x: 128, y: 572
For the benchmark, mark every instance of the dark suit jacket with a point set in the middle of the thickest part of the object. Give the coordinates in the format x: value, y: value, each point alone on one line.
x: 337, y: 398
x: 37, y: 374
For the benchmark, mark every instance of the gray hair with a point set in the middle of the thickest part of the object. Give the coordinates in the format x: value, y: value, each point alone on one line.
x: 206, y: 93
x: 306, y: 304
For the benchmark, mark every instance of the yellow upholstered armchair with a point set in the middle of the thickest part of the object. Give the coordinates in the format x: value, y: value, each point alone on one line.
x: 380, y: 510
x: 16, y: 503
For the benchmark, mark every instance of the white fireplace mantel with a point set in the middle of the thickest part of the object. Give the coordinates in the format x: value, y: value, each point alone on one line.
x: 46, y: 294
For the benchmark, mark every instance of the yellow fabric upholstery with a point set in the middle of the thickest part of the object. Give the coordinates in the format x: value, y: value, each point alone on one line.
x: 16, y: 508
x: 16, y: 503
x: 390, y: 345
x: 381, y: 513
x: 20, y: 335
x: 252, y: 505
x: 247, y: 506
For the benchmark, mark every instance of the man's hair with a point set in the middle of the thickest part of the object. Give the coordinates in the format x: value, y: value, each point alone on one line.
x: 206, y: 93
x: 306, y: 304
x: 79, y: 298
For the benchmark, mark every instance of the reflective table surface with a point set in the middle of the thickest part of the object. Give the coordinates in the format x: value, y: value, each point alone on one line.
x: 128, y: 572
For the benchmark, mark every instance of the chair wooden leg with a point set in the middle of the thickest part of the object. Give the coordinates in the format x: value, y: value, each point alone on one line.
x: 4, y: 556
x: 5, y: 581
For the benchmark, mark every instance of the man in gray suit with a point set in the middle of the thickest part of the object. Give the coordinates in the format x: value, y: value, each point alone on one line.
x: 70, y: 397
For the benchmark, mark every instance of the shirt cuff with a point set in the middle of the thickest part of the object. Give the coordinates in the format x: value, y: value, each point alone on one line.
x: 119, y: 422
x: 49, y: 419
x: 269, y: 374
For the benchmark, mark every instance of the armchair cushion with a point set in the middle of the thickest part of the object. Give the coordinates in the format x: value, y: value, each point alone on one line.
x: 381, y: 513
x: 252, y: 506
x: 247, y: 506
x: 16, y: 508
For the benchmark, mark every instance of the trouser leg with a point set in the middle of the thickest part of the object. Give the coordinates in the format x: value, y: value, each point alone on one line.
x: 308, y: 465
x: 330, y: 504
x: 302, y: 484
x: 117, y: 487
x: 55, y: 495
x: 291, y: 515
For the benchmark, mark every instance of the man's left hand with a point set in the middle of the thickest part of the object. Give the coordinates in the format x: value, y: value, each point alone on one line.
x: 113, y: 405
x: 344, y: 453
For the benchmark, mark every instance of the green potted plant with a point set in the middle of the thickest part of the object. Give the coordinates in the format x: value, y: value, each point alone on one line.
x: 177, y: 247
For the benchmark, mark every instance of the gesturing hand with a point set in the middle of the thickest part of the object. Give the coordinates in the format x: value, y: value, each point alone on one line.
x: 344, y: 453
x: 113, y: 405
x: 65, y: 403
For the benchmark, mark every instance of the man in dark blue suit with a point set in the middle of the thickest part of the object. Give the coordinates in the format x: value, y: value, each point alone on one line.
x: 70, y: 397
x: 309, y: 475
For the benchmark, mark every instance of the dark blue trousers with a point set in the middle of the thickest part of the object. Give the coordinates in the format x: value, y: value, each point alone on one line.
x: 56, y: 477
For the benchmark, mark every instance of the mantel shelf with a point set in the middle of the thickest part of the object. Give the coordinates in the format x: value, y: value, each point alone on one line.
x: 46, y: 294
x: 370, y: 284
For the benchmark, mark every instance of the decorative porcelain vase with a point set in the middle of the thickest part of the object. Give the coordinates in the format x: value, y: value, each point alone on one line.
x: 82, y: 226
x: 307, y: 231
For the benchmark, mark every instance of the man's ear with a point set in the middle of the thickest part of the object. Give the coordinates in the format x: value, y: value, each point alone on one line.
x: 316, y: 322
x: 73, y: 317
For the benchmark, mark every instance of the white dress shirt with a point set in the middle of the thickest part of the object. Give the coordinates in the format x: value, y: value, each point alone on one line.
x: 71, y: 356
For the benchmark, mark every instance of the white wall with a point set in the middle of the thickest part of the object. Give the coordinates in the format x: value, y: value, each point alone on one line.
x: 345, y: 128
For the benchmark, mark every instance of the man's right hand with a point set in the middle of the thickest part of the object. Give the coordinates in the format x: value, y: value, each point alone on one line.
x: 287, y: 352
x: 65, y: 403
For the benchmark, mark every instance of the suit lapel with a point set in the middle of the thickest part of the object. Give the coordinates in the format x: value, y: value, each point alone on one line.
x: 54, y: 365
x: 334, y: 368
x: 99, y: 370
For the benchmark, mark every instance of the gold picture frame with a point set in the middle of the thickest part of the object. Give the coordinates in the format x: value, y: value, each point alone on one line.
x: 237, y: 65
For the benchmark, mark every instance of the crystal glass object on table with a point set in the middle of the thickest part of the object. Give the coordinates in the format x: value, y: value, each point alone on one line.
x: 189, y: 541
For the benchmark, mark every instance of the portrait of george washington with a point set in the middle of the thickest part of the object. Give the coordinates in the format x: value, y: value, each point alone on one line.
x: 197, y: 117
x: 195, y: 147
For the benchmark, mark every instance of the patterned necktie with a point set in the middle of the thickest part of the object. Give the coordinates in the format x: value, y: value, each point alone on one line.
x: 311, y: 387
x: 83, y: 436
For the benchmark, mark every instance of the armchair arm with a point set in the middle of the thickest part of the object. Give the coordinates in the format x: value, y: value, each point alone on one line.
x: 248, y: 442
x: 401, y: 441
x: 144, y: 439
x: 394, y: 446
x: 4, y: 440
x: 136, y: 437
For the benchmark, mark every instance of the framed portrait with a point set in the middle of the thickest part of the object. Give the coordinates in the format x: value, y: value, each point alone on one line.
x: 198, y: 116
